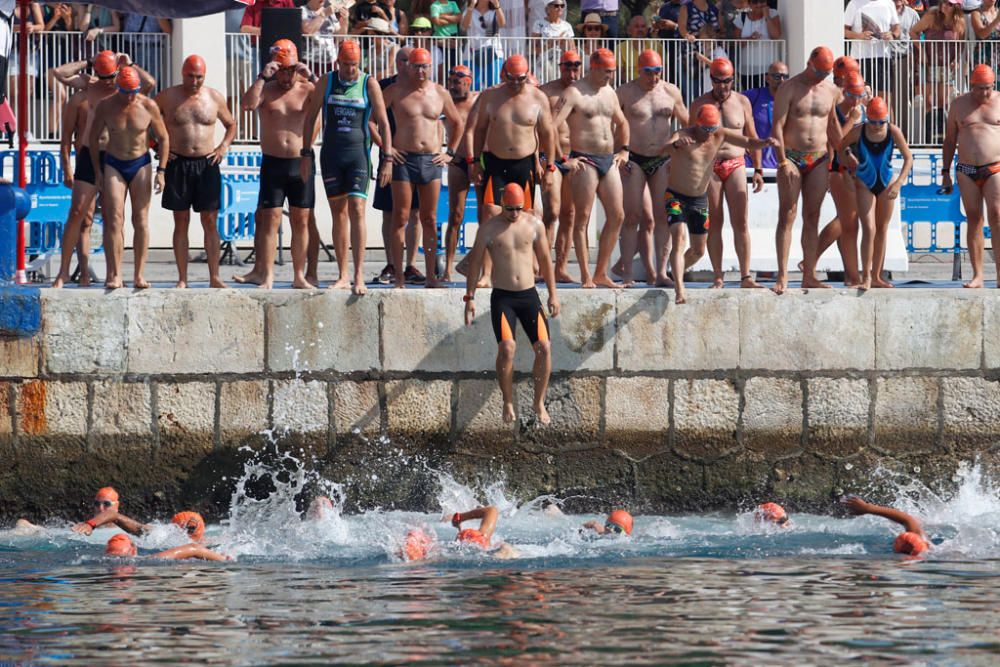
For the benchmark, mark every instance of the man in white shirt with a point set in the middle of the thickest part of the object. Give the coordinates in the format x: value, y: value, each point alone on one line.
x: 876, y: 21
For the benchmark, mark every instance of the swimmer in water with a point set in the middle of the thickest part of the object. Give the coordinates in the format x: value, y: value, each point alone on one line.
x: 191, y: 523
x: 106, y: 506
x: 319, y: 508
x: 912, y: 542
x: 618, y: 522
x: 122, y: 546
x: 482, y: 536
x: 772, y: 513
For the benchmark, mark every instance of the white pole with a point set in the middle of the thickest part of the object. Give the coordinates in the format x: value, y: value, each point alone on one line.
x: 205, y: 36
x: 808, y: 24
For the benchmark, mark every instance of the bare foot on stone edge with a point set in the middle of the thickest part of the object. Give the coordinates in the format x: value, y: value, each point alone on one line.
x: 718, y: 283
x: 340, y: 283
x: 302, y: 283
x: 359, y: 288
x: 605, y: 281
x: 217, y: 283
x: 563, y: 277
x: 813, y: 283
x: 543, y: 415
x: 975, y: 283
x: 885, y: 284
x: 747, y: 282
x: 664, y: 281
x: 180, y: 284
x: 141, y: 283
x: 252, y: 278
x: 508, y: 413
x: 780, y: 286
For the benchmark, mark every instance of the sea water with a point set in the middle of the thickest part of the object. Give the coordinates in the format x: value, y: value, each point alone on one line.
x: 694, y: 589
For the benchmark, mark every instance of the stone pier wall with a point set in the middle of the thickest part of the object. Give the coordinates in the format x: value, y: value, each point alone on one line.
x: 735, y: 396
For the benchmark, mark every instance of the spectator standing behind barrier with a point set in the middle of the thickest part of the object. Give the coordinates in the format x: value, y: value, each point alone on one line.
x: 638, y: 32
x: 607, y: 10
x: 558, y: 34
x: 380, y: 54
x: 445, y: 17
x: 252, y: 15
x: 146, y: 51
x: 322, y: 20
x: 943, y: 23
x: 95, y: 21
x: 593, y: 32
x: 364, y: 12
x: 877, y: 22
x: 398, y: 20
x: 903, y: 61
x: 985, y: 22
x: 481, y: 22
x: 760, y: 23
x: 762, y: 103
x: 675, y: 61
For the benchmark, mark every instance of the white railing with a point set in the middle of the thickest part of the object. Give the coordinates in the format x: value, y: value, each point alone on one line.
x: 685, y: 63
x: 47, y: 50
x: 919, y: 79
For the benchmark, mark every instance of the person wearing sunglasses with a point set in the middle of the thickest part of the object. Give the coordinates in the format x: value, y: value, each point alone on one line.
x: 619, y: 522
x: 557, y: 200
x: 513, y: 122
x: 972, y: 127
x: 762, y: 105
x: 599, y: 146
x: 867, y: 152
x: 106, y: 505
x: 515, y: 239
x: 459, y: 83
x: 693, y: 153
x: 651, y: 106
x: 729, y: 179
x: 418, y: 104
x: 804, y: 125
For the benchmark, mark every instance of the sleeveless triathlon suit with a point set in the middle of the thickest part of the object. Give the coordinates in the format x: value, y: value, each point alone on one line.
x: 346, y: 155
x: 875, y: 163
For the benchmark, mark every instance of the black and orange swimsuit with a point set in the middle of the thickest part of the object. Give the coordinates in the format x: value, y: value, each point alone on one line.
x: 979, y: 173
x: 507, y: 307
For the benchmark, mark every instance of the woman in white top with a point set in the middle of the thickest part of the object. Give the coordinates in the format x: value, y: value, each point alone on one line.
x: 557, y: 36
x: 760, y: 23
x: 321, y: 20
x: 481, y: 21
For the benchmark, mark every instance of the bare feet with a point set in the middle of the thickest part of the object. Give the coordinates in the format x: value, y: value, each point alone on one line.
x: 718, y: 283
x: 312, y: 278
x: 543, y: 414
x: 434, y: 283
x: 446, y: 277
x: 508, y: 413
x: 267, y: 284
x: 252, y: 278
x: 359, y: 288
x: 340, y: 283
x: 562, y: 276
x: 218, y: 283
x: 180, y: 284
x: 113, y: 284
x: 780, y: 286
x: 604, y: 281
x: 864, y: 285
x: 618, y: 269
x: 141, y: 283
x: 627, y: 282
x: 681, y: 297
x: 302, y: 283
x: 813, y: 283
x: 878, y: 282
x: 663, y: 280
x: 84, y: 278
x: 801, y: 266
x: 975, y: 283
x: 747, y: 282
x: 58, y: 282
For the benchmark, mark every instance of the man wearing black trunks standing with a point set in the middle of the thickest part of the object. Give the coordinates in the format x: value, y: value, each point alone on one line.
x: 280, y: 93
x: 650, y: 105
x: 129, y: 118
x: 804, y: 123
x: 513, y: 119
x: 193, y: 180
x: 599, y: 136
x: 418, y: 105
x: 348, y: 98
x: 974, y: 125
x: 516, y: 238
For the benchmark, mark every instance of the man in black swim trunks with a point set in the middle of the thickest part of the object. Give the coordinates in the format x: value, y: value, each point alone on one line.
x: 651, y: 105
x: 280, y: 93
x: 512, y: 238
x: 193, y: 180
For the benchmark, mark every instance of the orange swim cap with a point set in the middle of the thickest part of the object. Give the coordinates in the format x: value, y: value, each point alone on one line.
x: 516, y: 65
x: 910, y: 543
x: 854, y: 84
x: 107, y: 493
x: 721, y: 68
x: 105, y: 64
x: 192, y: 523
x: 285, y: 53
x: 821, y: 59
x: 844, y: 65
x: 474, y: 536
x: 877, y: 109
x: 622, y: 519
x: 513, y: 195
x: 194, y: 64
x: 650, y: 58
x: 420, y: 57
x: 349, y: 52
x: 120, y: 545
x: 570, y: 57
x: 417, y: 544
x: 770, y: 512
x: 982, y: 75
x: 603, y: 59
x: 709, y: 116
x: 128, y: 80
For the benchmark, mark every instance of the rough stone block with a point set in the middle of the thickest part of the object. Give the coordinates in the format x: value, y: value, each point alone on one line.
x: 991, y: 324
x: 66, y: 408
x: 121, y: 409
x: 185, y: 414
x: 706, y: 418
x: 971, y: 414
x: 424, y: 330
x: 320, y: 331
x: 19, y: 356
x: 84, y: 331
x: 665, y: 482
x: 656, y: 334
x: 805, y: 482
x: 772, y: 416
x: 935, y: 329
x: 301, y: 406
x: 598, y: 473
x: 479, y: 414
x: 795, y: 334
x: 583, y: 336
x: 418, y: 409
x: 637, y: 415
x: 6, y: 398
x: 838, y: 416
x: 242, y: 409
x: 906, y: 415
x: 574, y: 404
x: 195, y: 332
x: 741, y: 479
x: 356, y: 409
x: 30, y: 408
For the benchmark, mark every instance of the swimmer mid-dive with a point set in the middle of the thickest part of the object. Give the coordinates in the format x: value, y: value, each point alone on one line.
x: 912, y: 542
x: 772, y: 513
x: 122, y: 546
x: 482, y: 536
x: 618, y: 522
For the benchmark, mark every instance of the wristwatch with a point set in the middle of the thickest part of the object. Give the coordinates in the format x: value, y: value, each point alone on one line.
x: 306, y: 152
x: 468, y: 297
x: 551, y: 166
x: 450, y: 152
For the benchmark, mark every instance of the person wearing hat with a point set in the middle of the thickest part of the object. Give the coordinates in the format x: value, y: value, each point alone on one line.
x: 693, y: 152
x: 421, y: 27
x: 592, y: 27
x: 606, y: 12
x: 619, y: 522
x: 106, y: 513
x: 912, y: 542
x: 122, y: 546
